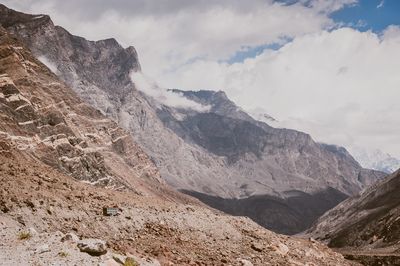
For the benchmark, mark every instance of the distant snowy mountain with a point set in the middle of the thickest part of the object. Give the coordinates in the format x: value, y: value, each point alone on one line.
x: 370, y: 159
x: 376, y: 159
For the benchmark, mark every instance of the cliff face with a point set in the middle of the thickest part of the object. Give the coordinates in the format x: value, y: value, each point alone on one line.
x: 43, y: 117
x: 283, y: 159
x: 95, y: 68
x: 222, y: 152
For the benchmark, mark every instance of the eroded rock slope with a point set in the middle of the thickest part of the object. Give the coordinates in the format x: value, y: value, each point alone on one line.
x: 40, y: 115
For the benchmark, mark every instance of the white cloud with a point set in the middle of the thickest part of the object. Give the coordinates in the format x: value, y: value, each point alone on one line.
x: 169, y: 34
x: 341, y: 86
x: 391, y: 32
x: 164, y: 96
x: 381, y: 4
x: 51, y: 65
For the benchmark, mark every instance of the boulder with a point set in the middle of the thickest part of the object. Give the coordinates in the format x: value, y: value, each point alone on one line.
x: 94, y: 247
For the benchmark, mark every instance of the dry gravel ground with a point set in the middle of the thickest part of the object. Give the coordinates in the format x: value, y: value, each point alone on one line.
x: 169, y: 232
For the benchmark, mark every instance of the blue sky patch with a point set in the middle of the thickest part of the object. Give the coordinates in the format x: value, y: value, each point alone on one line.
x: 373, y: 15
x: 251, y: 52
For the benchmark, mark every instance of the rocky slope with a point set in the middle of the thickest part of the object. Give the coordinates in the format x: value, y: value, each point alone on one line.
x: 366, y: 226
x: 40, y: 115
x: 41, y: 205
x: 222, y: 153
x: 61, y: 162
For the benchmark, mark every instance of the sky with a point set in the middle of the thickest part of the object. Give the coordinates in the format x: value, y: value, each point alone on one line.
x: 326, y: 67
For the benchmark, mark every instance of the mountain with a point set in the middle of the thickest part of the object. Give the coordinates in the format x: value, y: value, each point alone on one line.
x: 43, y: 117
x: 376, y: 159
x: 366, y: 226
x: 219, y: 151
x: 62, y: 162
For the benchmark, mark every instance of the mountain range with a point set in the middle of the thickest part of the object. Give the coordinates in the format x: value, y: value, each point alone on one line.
x: 83, y: 131
x: 219, y: 153
x: 63, y: 162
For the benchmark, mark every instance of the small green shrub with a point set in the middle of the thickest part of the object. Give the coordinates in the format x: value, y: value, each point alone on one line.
x: 24, y: 235
x: 130, y: 262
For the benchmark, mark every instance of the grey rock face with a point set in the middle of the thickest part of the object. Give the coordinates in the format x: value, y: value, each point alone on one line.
x: 223, y: 153
x: 43, y: 117
x: 229, y: 132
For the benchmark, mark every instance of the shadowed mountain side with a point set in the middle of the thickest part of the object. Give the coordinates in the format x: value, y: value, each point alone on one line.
x: 366, y: 227
x: 290, y: 215
x: 371, y: 219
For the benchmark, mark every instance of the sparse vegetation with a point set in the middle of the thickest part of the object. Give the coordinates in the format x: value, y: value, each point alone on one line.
x: 24, y: 235
x: 63, y: 254
x: 130, y: 262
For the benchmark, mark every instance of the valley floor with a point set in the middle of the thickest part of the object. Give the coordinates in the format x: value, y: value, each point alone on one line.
x: 176, y: 231
x: 386, y: 256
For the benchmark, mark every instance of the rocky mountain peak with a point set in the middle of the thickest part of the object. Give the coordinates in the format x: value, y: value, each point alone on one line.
x: 46, y: 119
x: 11, y: 17
x: 204, y: 96
x: 218, y: 101
x: 103, y: 64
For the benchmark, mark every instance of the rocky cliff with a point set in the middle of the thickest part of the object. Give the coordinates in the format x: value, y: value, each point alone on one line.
x: 43, y: 117
x: 222, y: 153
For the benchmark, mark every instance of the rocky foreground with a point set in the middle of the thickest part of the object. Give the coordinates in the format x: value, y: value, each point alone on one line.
x: 40, y: 207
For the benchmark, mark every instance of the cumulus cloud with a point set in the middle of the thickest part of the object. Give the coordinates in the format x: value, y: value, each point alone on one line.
x: 341, y: 86
x: 164, y: 96
x: 169, y: 34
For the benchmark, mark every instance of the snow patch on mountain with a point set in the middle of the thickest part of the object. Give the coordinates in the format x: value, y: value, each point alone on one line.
x: 376, y: 159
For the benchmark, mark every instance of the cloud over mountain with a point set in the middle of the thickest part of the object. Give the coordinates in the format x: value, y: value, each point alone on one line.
x: 337, y: 83
x: 341, y: 86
